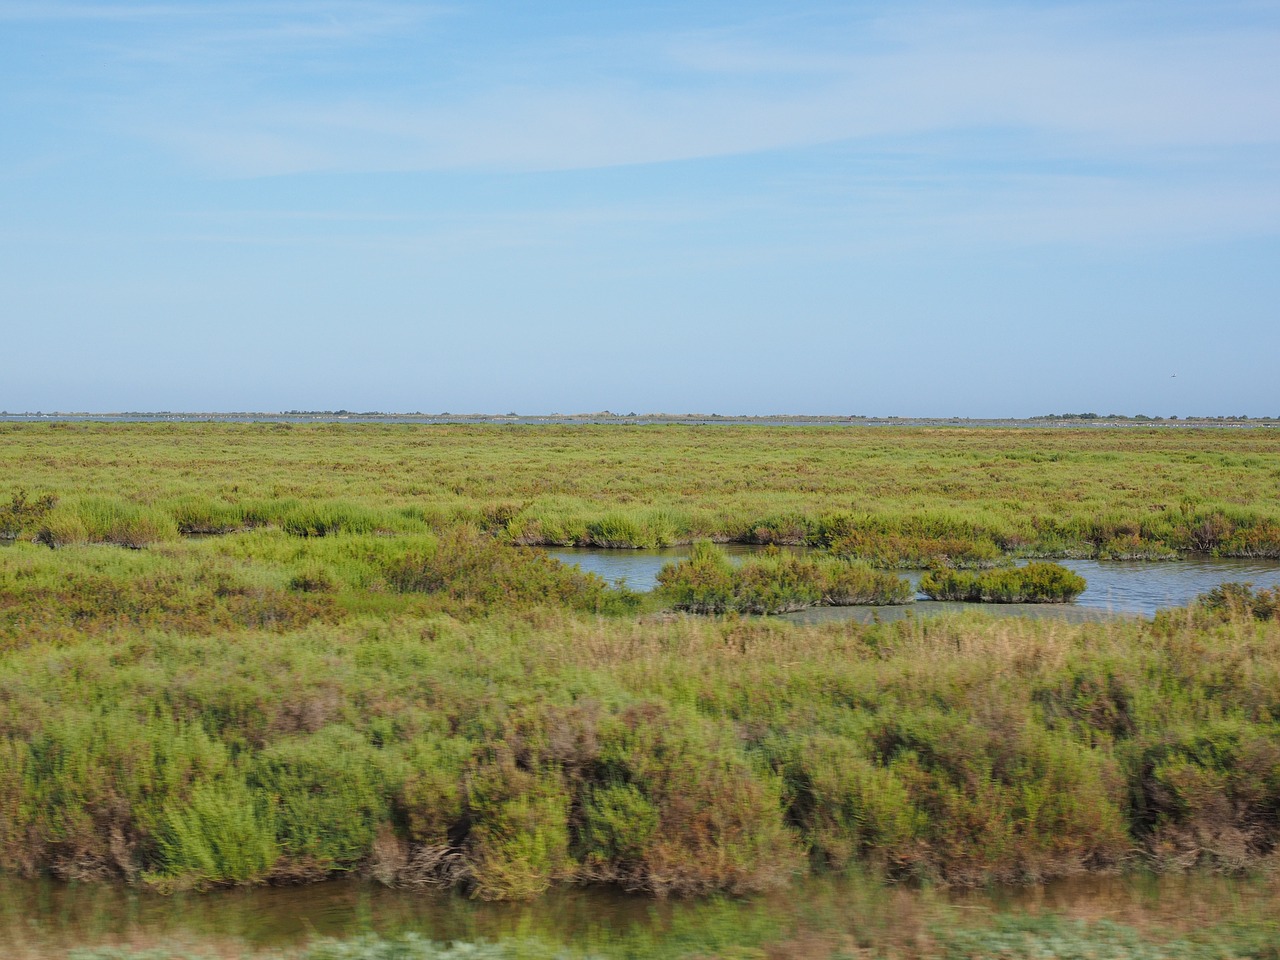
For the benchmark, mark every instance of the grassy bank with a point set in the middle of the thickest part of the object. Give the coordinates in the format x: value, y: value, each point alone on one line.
x: 270, y: 580
x: 892, y: 496
x: 514, y: 751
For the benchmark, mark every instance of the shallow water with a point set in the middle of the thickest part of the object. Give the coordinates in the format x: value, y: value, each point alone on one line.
x: 1115, y: 586
x: 638, y: 569
x: 45, y: 918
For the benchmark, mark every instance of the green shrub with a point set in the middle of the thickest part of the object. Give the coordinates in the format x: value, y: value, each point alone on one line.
x: 468, y: 566
x: 96, y: 784
x: 222, y: 833
x: 846, y: 807
x: 775, y: 582
x: 619, y: 825
x: 431, y: 798
x: 1208, y: 794
x: 851, y: 584
x: 22, y: 514
x: 327, y: 796
x: 698, y: 817
x: 519, y: 836
x: 1002, y: 799
x: 702, y: 583
x: 1034, y: 583
x: 1228, y: 600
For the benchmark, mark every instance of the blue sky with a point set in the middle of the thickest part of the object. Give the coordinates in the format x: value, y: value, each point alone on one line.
x: 904, y: 209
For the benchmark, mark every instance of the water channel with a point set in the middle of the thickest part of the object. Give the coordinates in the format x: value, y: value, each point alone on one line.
x: 46, y: 919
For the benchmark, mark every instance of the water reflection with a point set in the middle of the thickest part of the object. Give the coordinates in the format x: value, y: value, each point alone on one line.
x: 46, y: 918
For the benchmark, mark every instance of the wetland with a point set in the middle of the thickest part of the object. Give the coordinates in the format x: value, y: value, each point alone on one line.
x: 238, y: 659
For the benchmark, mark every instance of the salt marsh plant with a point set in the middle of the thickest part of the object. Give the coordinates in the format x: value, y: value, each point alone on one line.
x: 104, y: 520
x: 1033, y: 583
x: 775, y: 582
x: 22, y: 513
x: 470, y: 567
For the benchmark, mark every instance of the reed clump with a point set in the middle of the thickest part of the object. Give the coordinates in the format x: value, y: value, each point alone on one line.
x: 104, y: 520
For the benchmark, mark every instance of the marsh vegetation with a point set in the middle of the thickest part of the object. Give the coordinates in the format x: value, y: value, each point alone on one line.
x: 1033, y: 583
x: 893, y: 497
x: 361, y: 667
x: 774, y: 582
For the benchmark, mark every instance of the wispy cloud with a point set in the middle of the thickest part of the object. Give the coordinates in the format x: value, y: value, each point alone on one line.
x: 196, y: 12
x: 191, y: 38
x: 1053, y: 121
x: 1067, y: 77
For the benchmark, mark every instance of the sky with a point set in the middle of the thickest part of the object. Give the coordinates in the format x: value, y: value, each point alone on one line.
x: 871, y: 208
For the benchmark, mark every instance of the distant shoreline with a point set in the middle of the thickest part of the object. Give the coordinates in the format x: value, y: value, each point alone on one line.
x: 647, y: 419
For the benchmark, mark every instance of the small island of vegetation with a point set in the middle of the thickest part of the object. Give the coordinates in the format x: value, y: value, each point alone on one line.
x: 1033, y: 583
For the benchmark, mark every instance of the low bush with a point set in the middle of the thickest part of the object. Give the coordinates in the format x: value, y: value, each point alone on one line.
x: 22, y: 515
x: 775, y: 582
x: 222, y: 832
x: 469, y: 566
x: 675, y: 808
x: 847, y: 807
x: 67, y: 594
x: 1033, y: 583
x: 328, y: 798
x: 518, y: 839
x: 903, y: 551
x: 1230, y: 600
x: 1206, y: 795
